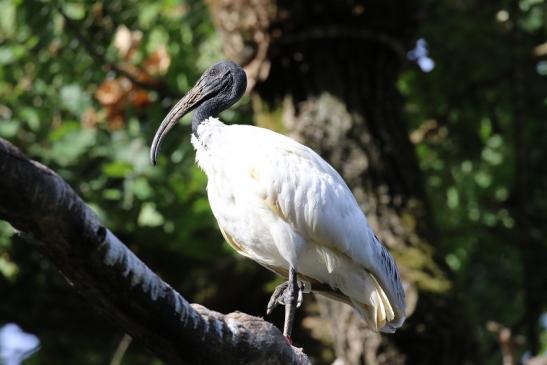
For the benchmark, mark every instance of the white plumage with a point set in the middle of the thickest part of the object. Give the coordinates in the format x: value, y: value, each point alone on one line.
x: 279, y: 203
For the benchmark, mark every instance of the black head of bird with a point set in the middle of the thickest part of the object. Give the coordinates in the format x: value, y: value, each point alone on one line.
x: 222, y: 85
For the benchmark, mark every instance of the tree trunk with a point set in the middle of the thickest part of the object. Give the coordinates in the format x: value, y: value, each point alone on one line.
x: 325, y: 73
x: 533, y: 253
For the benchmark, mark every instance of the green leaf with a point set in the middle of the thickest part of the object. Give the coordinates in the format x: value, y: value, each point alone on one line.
x: 7, y: 19
x: 452, y: 198
x: 75, y: 99
x: 63, y: 130
x: 75, y: 11
x: 149, y: 216
x: 117, y: 169
x: 67, y: 150
x: 31, y: 117
x: 10, y: 54
x: 112, y: 194
x: 8, y: 128
x: 7, y: 268
x: 142, y: 189
x: 483, y: 179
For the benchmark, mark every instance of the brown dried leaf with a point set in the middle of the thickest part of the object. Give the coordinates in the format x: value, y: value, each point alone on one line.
x: 139, y: 98
x: 115, y: 119
x: 89, y: 118
x: 158, y: 62
x: 127, y: 41
x: 110, y: 92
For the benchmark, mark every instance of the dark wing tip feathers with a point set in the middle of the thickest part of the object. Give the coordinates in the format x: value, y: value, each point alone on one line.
x: 392, y: 271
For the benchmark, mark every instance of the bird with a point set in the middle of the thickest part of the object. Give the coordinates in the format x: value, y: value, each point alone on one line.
x: 280, y: 204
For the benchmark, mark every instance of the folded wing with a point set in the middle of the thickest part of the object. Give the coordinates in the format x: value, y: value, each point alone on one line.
x: 311, y: 197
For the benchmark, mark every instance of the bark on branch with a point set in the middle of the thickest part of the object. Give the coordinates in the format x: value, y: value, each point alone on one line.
x: 43, y: 207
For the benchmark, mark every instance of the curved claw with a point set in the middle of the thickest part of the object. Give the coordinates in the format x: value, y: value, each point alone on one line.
x: 300, y: 297
x: 279, y: 295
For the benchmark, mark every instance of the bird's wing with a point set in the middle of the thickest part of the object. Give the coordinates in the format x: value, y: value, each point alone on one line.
x: 306, y: 192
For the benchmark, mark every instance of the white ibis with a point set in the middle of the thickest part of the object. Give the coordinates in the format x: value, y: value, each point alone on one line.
x: 280, y: 204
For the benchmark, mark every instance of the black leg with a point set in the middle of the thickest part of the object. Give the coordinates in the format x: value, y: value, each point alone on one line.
x: 291, y: 299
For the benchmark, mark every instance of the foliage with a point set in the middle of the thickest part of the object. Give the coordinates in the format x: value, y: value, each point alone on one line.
x: 486, y: 92
x: 68, y: 99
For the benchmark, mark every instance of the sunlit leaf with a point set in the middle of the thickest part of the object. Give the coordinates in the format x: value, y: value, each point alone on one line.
x: 71, y: 146
x: 74, y: 10
x: 31, y: 117
x: 8, y: 128
x: 75, y: 99
x: 149, y: 216
x: 452, y: 198
x: 8, y: 18
x: 117, y: 169
x: 7, y: 268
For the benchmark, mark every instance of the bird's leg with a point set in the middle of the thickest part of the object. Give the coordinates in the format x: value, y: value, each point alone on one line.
x: 291, y: 299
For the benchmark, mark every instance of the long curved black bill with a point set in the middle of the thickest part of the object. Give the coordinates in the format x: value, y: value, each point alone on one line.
x: 183, y: 107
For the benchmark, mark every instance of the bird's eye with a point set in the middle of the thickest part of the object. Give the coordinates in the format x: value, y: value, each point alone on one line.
x: 213, y: 72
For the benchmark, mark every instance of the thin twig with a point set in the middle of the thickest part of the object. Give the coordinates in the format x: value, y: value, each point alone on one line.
x: 121, y: 350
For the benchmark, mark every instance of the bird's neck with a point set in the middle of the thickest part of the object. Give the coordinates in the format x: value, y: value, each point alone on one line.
x: 210, y: 108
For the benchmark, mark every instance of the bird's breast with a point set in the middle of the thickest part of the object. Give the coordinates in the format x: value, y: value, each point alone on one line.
x: 244, y: 223
x: 234, y: 192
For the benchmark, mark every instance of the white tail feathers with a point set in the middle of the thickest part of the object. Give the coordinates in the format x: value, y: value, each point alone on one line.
x: 382, y: 307
x: 378, y: 313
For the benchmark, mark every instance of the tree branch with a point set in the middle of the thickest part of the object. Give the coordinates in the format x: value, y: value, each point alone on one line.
x: 41, y: 205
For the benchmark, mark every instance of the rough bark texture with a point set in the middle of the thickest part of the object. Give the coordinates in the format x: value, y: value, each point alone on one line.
x: 47, y: 212
x: 325, y: 73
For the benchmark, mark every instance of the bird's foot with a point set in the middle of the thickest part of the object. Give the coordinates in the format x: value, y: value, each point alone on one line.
x: 281, y: 295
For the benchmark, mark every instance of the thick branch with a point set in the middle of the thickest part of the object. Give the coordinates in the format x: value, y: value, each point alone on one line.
x: 38, y: 203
